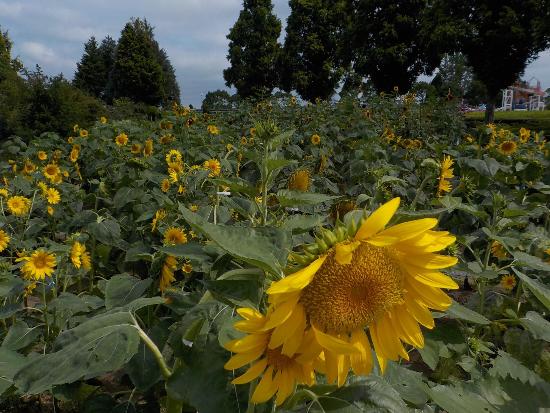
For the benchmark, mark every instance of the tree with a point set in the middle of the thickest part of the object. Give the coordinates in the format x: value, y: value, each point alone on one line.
x: 253, y: 50
x: 91, y: 72
x: 499, y: 38
x: 310, y: 58
x: 137, y: 73
x: 388, y: 42
x: 218, y: 100
x: 107, y: 50
x: 170, y: 87
x: 454, y: 75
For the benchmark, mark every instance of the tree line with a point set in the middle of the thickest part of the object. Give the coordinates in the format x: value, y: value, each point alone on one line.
x: 341, y: 43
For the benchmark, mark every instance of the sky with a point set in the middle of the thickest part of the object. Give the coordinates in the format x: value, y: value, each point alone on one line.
x: 52, y: 33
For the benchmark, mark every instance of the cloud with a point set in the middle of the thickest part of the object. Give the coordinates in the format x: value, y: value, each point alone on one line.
x: 12, y: 9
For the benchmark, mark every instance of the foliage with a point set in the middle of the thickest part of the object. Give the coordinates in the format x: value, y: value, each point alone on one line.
x: 254, y: 50
x: 109, y: 336
x: 92, y: 71
x: 218, y: 100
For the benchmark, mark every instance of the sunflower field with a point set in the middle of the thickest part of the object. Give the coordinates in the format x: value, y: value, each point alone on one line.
x: 348, y: 257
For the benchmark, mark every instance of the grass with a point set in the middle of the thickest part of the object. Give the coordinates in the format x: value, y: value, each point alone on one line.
x: 534, y: 120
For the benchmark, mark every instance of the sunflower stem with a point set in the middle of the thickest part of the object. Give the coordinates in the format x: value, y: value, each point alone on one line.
x: 422, y: 185
x: 164, y: 369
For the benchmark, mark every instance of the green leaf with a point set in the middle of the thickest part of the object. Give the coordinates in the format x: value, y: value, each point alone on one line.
x: 539, y: 290
x: 290, y: 198
x: 531, y: 261
x: 107, y: 231
x: 190, y: 250
x: 463, y: 313
x: 505, y: 365
x: 122, y: 289
x: 102, y: 350
x: 302, y: 223
x: 241, y: 288
x: 10, y: 362
x: 137, y: 252
x: 9, y: 310
x: 20, y: 336
x: 266, y: 248
x: 538, y: 326
x: 454, y: 399
x: 407, y: 382
x: 202, y: 381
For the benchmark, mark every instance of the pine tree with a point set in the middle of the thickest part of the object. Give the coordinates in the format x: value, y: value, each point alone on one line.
x: 254, y: 50
x: 170, y: 87
x: 107, y: 50
x: 91, y: 73
x: 309, y: 62
x: 137, y: 73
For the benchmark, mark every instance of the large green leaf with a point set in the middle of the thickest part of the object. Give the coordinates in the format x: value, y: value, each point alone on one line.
x: 266, y: 248
x: 539, y: 290
x: 100, y: 351
x: 463, y: 313
x: 454, y: 399
x: 538, y: 326
x: 122, y: 289
x: 20, y: 336
x: 290, y: 198
x: 505, y: 365
x: 531, y: 261
x: 10, y: 362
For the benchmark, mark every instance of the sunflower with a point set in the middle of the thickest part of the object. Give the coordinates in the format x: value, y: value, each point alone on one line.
x: 19, y: 205
x: 276, y: 361
x: 244, y: 141
x: 524, y: 135
x: 300, y: 180
x: 498, y: 250
x: 508, y: 282
x: 38, y: 265
x: 193, y: 208
x: 29, y: 167
x: 167, y: 272
x: 50, y: 210
x: 174, y: 236
x: 173, y: 156
x: 103, y: 120
x: 187, y: 268
x: 76, y: 253
x: 214, y: 166
x: 181, y: 190
x: 165, y: 185
x: 4, y: 193
x: 83, y: 133
x: 173, y: 175
x: 445, y: 174
x: 52, y: 196
x: 4, y: 240
x: 75, y: 152
x: 213, y: 130
x: 51, y: 172
x: 121, y: 139
x: 42, y: 155
x: 86, y: 260
x: 159, y: 216
x: 507, y: 147
x: 381, y: 279
x: 136, y: 148
x: 166, y: 139
x: 315, y: 139
x: 148, y: 147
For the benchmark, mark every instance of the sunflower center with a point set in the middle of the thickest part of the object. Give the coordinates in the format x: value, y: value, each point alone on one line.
x: 278, y: 360
x: 39, y: 262
x: 342, y: 298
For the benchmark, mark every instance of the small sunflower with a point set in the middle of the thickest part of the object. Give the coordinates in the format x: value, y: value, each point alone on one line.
x: 508, y: 282
x: 50, y: 210
x: 29, y: 167
x: 173, y: 175
x: 166, y: 139
x: 383, y: 279
x: 508, y: 147
x: 42, y: 155
x: 193, y: 208
x: 52, y: 196
x: 165, y: 185
x: 244, y: 141
x: 277, y: 362
x: 173, y: 156
x: 51, y: 172
x: 524, y: 135
x: 187, y: 268
x: 121, y: 139
x: 83, y: 133
x: 315, y: 139
x: 75, y: 152
x: 159, y: 216
x: 86, y: 260
x: 136, y: 148
x: 148, y: 147
x: 167, y: 273
x: 39, y: 265
x: 300, y: 180
x: 76, y: 253
x: 213, y: 130
x: 4, y: 193
x: 214, y: 166
x: 445, y: 174
x: 498, y: 250
x: 103, y: 120
x: 19, y: 205
x: 4, y: 240
x: 174, y: 236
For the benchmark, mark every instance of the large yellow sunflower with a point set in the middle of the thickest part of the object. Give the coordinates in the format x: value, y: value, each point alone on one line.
x: 4, y: 240
x: 167, y: 273
x: 385, y: 280
x: 508, y: 147
x: 173, y: 156
x: 76, y: 253
x: 214, y: 166
x: 18, y: 205
x: 279, y: 365
x: 38, y: 265
x: 121, y: 139
x: 300, y: 180
x: 52, y: 196
x: 51, y: 172
x: 445, y: 174
x: 174, y: 236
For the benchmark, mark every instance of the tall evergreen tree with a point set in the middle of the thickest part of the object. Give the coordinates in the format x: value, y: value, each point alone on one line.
x: 91, y: 72
x: 499, y: 38
x: 170, y: 87
x: 107, y: 50
x: 309, y: 61
x: 254, y: 50
x: 137, y: 73
x: 388, y: 44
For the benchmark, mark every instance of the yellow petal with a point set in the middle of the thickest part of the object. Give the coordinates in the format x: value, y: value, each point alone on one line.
x: 432, y: 261
x: 249, y: 326
x: 389, y: 340
x: 343, y: 370
x: 432, y: 278
x: 344, y: 252
x: 332, y: 343
x: 309, y: 349
x: 248, y: 343
x: 361, y: 363
x: 241, y: 359
x: 287, y: 329
x: 377, y: 220
x: 253, y: 372
x: 297, y: 281
x: 408, y: 326
x: 286, y: 387
x: 250, y: 313
x: 419, y: 312
x: 410, y: 229
x: 281, y: 313
x: 331, y: 366
x: 291, y: 346
x: 432, y: 297
x: 266, y: 388
x: 382, y: 361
